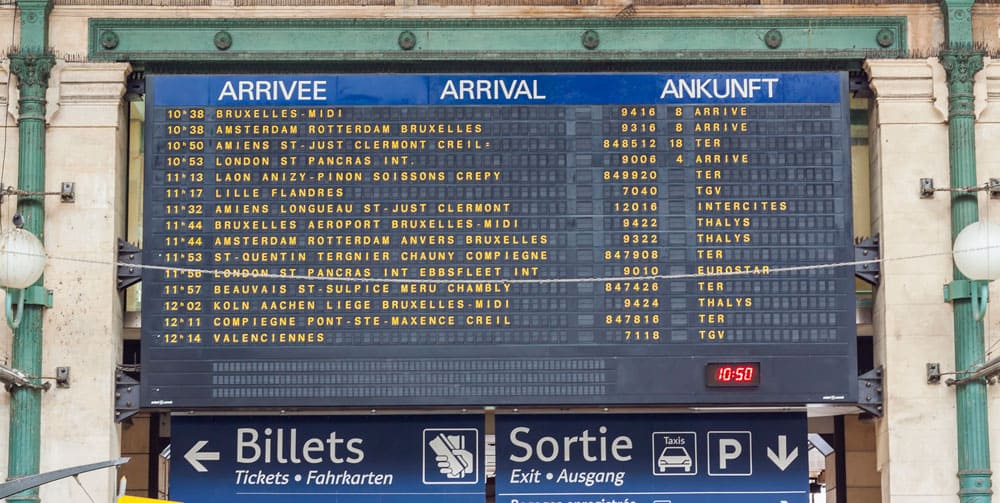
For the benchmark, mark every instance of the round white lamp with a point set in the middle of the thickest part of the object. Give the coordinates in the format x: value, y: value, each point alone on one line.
x: 22, y: 261
x: 977, y: 255
x: 977, y: 251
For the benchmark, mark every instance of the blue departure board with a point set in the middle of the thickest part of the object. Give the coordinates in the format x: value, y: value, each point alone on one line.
x: 503, y: 239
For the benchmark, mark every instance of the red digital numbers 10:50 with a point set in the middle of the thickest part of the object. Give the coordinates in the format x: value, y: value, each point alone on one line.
x: 744, y: 374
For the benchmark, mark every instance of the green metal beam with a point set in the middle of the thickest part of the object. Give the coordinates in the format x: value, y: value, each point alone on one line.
x: 575, y: 40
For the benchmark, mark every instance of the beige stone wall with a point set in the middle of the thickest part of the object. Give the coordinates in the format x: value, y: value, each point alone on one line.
x: 86, y: 140
x: 8, y: 169
x: 986, y: 26
x: 913, y: 324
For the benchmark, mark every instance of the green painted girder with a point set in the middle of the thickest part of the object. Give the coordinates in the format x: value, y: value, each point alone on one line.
x: 570, y: 40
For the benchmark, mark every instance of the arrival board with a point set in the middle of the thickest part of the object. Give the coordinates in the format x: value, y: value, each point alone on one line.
x: 536, y: 239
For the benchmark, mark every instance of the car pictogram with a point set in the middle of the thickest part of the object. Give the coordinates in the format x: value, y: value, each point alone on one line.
x: 674, y: 457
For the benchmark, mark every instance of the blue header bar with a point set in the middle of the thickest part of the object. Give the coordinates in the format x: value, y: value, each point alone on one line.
x: 496, y: 89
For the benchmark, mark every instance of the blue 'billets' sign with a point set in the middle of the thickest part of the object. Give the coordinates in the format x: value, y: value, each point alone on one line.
x: 348, y: 459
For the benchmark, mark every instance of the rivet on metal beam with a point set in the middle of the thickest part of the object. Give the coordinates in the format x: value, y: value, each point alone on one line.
x: 126, y: 396
x: 109, y: 40
x: 590, y: 39
x: 885, y: 37
x: 773, y: 38
x: 223, y: 40
x: 407, y: 40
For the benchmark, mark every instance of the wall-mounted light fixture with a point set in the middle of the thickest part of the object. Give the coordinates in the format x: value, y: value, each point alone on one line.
x: 977, y: 255
x: 22, y: 261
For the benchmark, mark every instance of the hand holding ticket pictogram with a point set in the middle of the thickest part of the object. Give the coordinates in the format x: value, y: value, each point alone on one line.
x: 452, y: 458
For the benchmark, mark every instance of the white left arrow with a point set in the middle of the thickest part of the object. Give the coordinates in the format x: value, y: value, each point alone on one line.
x: 782, y: 458
x: 195, y: 456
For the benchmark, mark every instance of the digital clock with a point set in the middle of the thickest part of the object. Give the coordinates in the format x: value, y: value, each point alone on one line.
x: 725, y: 375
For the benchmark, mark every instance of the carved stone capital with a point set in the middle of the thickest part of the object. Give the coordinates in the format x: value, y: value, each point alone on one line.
x: 32, y: 70
x: 961, y: 66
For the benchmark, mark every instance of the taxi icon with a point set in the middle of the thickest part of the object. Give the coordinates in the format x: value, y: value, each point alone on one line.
x: 674, y: 457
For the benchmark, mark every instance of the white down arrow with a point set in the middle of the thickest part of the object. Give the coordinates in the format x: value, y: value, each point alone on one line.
x: 782, y: 458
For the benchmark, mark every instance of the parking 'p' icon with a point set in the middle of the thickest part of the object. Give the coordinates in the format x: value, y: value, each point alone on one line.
x: 729, y: 453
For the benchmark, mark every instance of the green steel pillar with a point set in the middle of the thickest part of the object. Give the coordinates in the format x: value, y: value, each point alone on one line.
x: 970, y: 396
x: 31, y: 64
x: 962, y: 62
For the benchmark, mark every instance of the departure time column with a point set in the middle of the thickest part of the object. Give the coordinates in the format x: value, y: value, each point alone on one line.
x: 179, y: 198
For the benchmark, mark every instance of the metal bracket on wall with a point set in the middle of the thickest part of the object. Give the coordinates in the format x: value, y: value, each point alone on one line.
x: 858, y: 84
x: 135, y: 85
x: 933, y: 373
x: 62, y: 377
x: 926, y: 188
x: 67, y: 192
x: 993, y: 188
x: 126, y: 396
x: 870, y: 392
x: 129, y: 256
x: 867, y: 249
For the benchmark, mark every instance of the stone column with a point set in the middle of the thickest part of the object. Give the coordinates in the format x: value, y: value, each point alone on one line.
x: 88, y: 145
x: 912, y: 323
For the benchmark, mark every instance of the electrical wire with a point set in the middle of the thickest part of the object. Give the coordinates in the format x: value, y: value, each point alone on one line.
x: 76, y: 477
x: 228, y: 273
x: 11, y: 191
